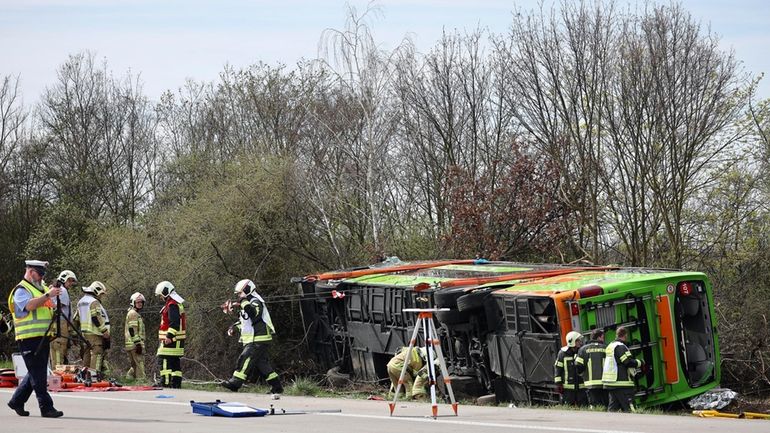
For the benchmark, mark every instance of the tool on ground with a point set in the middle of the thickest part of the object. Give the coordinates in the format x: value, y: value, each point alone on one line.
x: 274, y: 411
x: 433, y: 349
x: 718, y: 414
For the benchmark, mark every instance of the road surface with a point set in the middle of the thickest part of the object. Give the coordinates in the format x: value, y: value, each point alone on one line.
x: 138, y: 411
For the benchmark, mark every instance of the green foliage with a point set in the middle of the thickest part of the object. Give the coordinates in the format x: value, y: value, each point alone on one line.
x: 66, y: 238
x: 303, y: 386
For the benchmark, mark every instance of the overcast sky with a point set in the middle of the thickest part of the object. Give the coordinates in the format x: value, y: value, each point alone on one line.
x: 167, y: 41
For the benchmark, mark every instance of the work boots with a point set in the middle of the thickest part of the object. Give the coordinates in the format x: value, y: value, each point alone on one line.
x: 52, y: 413
x: 18, y: 408
x: 276, y: 389
x: 233, y: 384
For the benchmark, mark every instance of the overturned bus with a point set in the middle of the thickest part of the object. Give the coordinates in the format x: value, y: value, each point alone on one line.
x: 506, y: 322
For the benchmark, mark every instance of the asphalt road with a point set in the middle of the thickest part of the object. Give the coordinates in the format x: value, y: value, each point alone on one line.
x: 138, y: 411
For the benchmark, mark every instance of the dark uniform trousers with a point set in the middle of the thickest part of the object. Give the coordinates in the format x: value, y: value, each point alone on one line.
x: 621, y: 399
x: 37, y: 373
x: 597, y: 397
x: 254, y: 358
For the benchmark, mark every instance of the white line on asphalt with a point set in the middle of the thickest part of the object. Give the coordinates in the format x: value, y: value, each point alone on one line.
x: 85, y: 397
x: 479, y: 424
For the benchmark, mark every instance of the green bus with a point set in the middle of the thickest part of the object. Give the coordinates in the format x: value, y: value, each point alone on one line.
x: 503, y: 323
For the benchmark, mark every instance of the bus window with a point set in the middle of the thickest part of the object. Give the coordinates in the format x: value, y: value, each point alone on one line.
x: 694, y: 326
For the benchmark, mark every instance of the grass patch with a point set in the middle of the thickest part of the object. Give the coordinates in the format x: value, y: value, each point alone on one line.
x: 305, y: 386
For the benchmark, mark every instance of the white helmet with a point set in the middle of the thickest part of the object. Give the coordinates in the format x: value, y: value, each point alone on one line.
x: 96, y: 288
x: 136, y: 297
x: 164, y: 288
x: 66, y: 275
x: 246, y: 287
x: 573, y: 337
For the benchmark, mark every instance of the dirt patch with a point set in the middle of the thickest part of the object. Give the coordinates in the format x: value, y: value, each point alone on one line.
x: 745, y: 404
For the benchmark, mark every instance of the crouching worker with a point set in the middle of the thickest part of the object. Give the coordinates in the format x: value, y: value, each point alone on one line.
x: 416, y: 375
x: 257, y: 331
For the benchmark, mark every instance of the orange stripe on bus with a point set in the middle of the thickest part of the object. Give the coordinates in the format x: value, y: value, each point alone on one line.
x: 666, y: 340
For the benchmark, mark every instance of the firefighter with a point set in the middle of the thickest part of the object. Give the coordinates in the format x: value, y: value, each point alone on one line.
x: 94, y: 325
x: 257, y: 331
x: 618, y: 372
x: 172, y: 335
x: 569, y: 383
x: 135, y: 336
x: 32, y: 312
x: 61, y: 328
x: 590, y: 363
x: 416, y: 376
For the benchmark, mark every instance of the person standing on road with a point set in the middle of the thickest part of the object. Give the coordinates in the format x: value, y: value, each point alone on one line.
x: 566, y: 376
x: 618, y: 373
x: 135, y: 336
x: 61, y: 328
x: 94, y: 325
x: 172, y: 334
x: 32, y: 312
x: 257, y: 331
x: 590, y: 365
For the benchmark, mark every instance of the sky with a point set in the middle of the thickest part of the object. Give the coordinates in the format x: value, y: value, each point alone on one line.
x: 169, y: 41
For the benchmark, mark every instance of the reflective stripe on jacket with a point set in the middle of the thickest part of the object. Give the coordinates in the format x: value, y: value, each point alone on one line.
x: 564, y: 369
x: 134, y: 325
x: 175, y: 329
x: 619, y: 366
x: 35, y: 323
x: 252, y: 324
x: 590, y: 363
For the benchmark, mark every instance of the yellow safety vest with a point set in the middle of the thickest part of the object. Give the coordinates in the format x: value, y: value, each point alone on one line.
x: 36, y: 322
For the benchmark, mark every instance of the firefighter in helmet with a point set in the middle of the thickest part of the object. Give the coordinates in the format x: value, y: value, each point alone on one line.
x: 135, y: 336
x: 172, y: 335
x: 569, y: 383
x: 416, y: 376
x: 256, y: 329
x: 60, y: 329
x: 94, y: 325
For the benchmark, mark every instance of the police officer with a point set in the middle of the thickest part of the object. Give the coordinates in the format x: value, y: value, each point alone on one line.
x: 135, y: 336
x: 618, y: 373
x: 257, y: 331
x: 172, y: 334
x: 566, y: 376
x: 94, y: 325
x: 61, y: 327
x: 416, y: 376
x: 32, y: 312
x: 590, y: 364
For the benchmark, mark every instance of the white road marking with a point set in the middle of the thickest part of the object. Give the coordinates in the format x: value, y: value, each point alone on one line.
x: 480, y: 424
x: 379, y: 417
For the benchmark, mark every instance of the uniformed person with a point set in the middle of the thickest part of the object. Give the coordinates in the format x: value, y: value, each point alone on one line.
x: 61, y: 328
x: 618, y: 373
x: 135, y: 337
x: 566, y: 377
x: 94, y: 325
x: 32, y: 312
x: 416, y: 376
x: 172, y: 334
x: 590, y: 364
x: 256, y: 328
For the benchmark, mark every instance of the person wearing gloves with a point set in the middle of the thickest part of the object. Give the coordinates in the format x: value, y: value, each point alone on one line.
x: 135, y: 336
x: 257, y: 331
x: 172, y: 334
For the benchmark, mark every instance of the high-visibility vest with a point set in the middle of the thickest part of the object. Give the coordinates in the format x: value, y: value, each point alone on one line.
x: 86, y: 311
x: 36, y: 322
x: 415, y: 362
x: 134, y: 321
x: 178, y: 336
x: 619, y: 366
x: 257, y: 330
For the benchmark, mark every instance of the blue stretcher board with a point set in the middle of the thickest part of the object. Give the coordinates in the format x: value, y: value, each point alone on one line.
x: 220, y: 408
